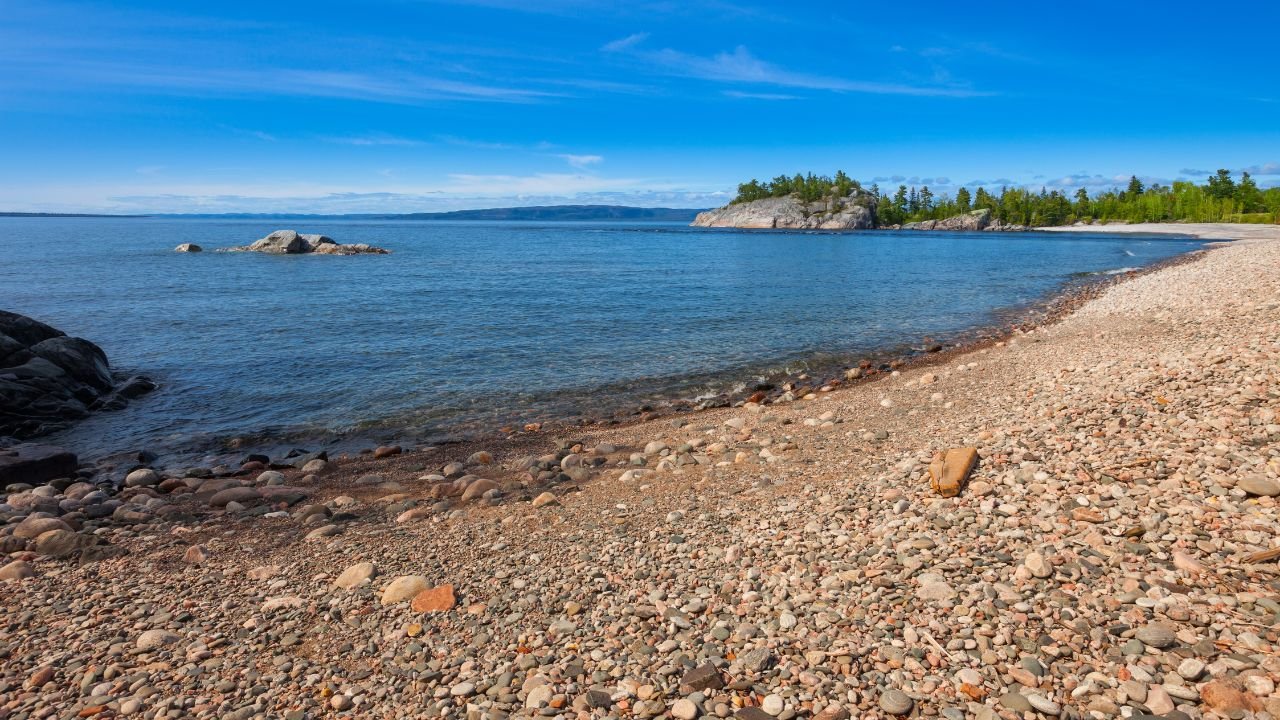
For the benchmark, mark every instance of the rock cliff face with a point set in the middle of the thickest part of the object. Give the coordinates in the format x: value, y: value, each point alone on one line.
x: 855, y: 212
x: 978, y: 220
x: 289, y: 242
x: 48, y: 379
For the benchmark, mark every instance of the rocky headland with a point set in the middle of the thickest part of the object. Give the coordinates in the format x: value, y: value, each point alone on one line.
x: 290, y: 242
x: 1079, y: 521
x: 48, y: 379
x: 856, y: 211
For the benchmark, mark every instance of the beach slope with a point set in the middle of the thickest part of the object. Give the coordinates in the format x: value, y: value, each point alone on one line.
x: 1109, y: 551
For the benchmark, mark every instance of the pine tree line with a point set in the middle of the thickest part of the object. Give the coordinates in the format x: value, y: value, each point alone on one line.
x: 1220, y: 199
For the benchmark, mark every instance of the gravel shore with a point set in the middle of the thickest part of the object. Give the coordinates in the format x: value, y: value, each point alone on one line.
x: 1107, y: 558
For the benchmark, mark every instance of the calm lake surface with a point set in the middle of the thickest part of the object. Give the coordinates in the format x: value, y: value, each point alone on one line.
x: 468, y: 326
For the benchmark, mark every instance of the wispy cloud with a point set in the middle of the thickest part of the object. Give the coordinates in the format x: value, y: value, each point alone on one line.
x: 473, y: 144
x: 627, y: 42
x: 391, y: 87
x: 374, y: 139
x: 581, y: 162
x: 457, y: 191
x: 741, y: 95
x: 1264, y: 169
x: 741, y: 67
x: 256, y: 134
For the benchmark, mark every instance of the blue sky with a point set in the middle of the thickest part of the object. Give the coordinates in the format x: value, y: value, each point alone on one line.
x: 415, y: 105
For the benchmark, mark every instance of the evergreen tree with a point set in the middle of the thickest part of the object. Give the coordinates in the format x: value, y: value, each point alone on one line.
x: 1135, y: 188
x: 982, y: 200
x: 900, y: 199
x: 1082, y: 203
x: 926, y: 199
x: 1248, y: 195
x: 962, y: 200
x: 1221, y: 185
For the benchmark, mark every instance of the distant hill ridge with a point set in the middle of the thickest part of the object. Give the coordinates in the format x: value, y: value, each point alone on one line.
x: 534, y: 212
x: 563, y: 212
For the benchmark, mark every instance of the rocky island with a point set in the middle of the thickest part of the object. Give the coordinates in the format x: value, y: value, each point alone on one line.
x: 853, y: 211
x: 290, y: 242
x: 820, y: 202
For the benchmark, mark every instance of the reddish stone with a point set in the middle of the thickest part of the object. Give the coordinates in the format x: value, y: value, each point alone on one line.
x: 387, y: 451
x: 436, y: 599
x: 41, y: 677
x: 1227, y: 698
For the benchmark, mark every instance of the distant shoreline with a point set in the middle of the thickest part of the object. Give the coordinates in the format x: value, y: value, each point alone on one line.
x: 66, y: 215
x: 530, y: 213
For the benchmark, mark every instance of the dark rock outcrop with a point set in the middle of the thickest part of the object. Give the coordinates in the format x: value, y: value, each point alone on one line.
x: 35, y: 465
x: 857, y: 211
x: 289, y: 242
x: 48, y: 379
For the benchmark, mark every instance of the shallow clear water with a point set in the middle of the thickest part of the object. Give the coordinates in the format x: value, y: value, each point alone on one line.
x: 476, y: 324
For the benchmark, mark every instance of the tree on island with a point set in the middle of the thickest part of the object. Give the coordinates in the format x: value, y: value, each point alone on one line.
x: 1220, y: 199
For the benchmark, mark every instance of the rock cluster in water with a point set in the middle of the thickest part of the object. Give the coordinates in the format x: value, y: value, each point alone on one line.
x: 48, y: 379
x: 290, y: 242
x: 857, y: 211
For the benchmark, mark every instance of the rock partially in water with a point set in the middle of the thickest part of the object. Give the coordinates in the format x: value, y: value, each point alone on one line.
x: 48, y: 379
x: 966, y: 222
x: 290, y: 242
x: 35, y: 464
x: 188, y: 248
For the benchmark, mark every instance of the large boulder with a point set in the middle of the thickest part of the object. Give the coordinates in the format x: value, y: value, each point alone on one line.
x: 48, y: 379
x: 282, y: 242
x: 857, y: 211
x: 290, y: 242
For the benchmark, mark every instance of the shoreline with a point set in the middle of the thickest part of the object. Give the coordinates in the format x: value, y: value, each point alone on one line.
x: 767, y: 561
x: 816, y: 373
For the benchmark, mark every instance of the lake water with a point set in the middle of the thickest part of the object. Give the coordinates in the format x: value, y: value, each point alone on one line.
x: 469, y: 326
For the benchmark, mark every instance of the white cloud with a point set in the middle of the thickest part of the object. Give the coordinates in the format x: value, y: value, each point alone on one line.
x: 374, y: 139
x: 740, y: 66
x: 758, y: 96
x: 387, y: 193
x: 582, y: 162
x: 397, y: 88
x: 474, y: 144
x: 629, y: 41
x: 1264, y: 169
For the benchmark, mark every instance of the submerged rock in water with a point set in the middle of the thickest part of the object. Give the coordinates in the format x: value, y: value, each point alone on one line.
x: 188, y: 248
x: 48, y: 379
x: 290, y: 242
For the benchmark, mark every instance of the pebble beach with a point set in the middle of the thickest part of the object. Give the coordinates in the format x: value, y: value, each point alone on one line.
x: 1112, y: 555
